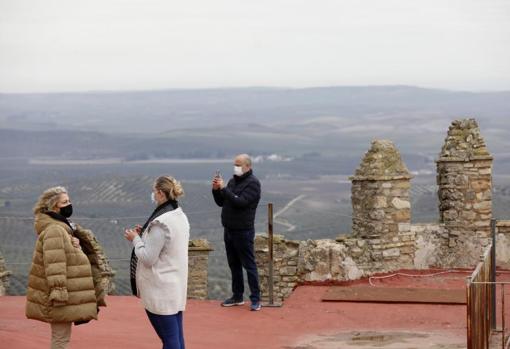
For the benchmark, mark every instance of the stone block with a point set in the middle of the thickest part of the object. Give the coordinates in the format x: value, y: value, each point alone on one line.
x: 392, y: 252
x: 469, y: 215
x: 288, y: 271
x: 484, y: 205
x: 356, y: 252
x: 380, y: 202
x: 404, y: 227
x: 407, y: 250
x: 377, y: 215
x: 400, y: 204
x: 402, y: 184
x: 401, y: 216
x: 470, y: 195
x: 289, y: 278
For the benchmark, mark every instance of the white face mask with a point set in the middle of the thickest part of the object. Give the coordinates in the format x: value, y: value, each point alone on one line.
x: 238, y: 170
x: 153, y: 198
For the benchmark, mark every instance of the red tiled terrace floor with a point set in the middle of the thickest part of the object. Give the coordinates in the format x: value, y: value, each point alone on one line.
x: 123, y: 324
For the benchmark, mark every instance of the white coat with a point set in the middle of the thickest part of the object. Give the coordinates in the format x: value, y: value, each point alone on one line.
x: 162, y: 269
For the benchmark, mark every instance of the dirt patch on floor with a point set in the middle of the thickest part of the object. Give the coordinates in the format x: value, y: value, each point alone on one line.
x: 372, y: 339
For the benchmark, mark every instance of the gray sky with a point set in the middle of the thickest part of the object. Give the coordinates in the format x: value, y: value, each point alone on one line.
x: 70, y: 45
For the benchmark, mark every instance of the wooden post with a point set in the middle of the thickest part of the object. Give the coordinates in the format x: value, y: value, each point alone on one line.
x: 493, y: 275
x: 503, y: 315
x: 270, y: 278
x: 270, y: 250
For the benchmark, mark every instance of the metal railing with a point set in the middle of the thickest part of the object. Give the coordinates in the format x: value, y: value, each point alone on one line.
x: 479, y: 304
x: 481, y: 301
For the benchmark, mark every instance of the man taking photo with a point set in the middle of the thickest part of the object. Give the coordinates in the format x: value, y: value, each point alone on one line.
x: 238, y: 200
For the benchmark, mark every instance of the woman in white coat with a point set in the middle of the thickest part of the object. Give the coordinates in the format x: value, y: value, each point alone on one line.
x: 159, y: 262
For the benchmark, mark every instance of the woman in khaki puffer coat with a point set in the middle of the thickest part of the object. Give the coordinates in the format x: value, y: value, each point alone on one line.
x: 66, y: 282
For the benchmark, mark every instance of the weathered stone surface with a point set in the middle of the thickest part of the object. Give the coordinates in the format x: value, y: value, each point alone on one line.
x: 4, y: 277
x: 429, y: 243
x: 380, y: 202
x: 383, y: 238
x: 483, y: 205
x: 199, y: 244
x: 381, y: 161
x: 198, y: 261
x: 464, y: 142
x: 464, y: 177
x: 352, y: 271
x: 392, y: 252
x: 400, y: 204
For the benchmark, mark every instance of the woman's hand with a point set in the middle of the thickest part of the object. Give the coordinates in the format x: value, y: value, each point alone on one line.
x: 130, y: 234
x: 75, y: 242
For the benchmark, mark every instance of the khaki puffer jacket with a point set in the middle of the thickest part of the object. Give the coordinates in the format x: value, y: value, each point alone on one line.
x: 101, y: 270
x: 61, y: 283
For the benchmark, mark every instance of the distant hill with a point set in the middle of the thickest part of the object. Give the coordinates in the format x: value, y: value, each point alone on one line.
x: 154, y: 111
x: 217, y: 122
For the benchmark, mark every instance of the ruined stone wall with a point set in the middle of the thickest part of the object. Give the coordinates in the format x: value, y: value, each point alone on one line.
x: 383, y: 238
x: 4, y: 277
x: 347, y: 258
x: 326, y: 260
x: 429, y: 241
x: 198, y: 261
x: 285, y: 266
x: 503, y: 244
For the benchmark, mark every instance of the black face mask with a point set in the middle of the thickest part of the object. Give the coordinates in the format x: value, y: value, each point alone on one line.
x: 67, y: 211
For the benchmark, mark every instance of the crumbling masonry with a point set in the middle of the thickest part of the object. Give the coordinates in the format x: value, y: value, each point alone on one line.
x: 4, y: 277
x: 383, y: 238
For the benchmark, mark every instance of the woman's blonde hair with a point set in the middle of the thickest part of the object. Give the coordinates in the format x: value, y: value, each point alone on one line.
x: 169, y: 186
x: 48, y: 199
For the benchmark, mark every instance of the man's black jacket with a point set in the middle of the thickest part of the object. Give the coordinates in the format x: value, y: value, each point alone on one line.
x: 239, y: 200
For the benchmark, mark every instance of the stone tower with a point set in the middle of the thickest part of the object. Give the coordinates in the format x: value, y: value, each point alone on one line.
x: 381, y: 206
x: 464, y: 177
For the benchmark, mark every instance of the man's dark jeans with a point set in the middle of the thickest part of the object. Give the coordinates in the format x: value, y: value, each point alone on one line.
x: 240, y: 254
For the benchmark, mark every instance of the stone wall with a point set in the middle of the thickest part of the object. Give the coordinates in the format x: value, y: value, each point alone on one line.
x: 198, y: 260
x: 344, y: 259
x: 430, y: 239
x: 503, y: 244
x: 383, y: 238
x: 4, y: 277
x: 285, y: 265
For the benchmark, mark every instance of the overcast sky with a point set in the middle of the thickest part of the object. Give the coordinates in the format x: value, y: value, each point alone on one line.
x: 70, y: 45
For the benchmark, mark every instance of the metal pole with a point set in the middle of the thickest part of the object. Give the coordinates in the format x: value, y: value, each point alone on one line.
x: 270, y: 248
x: 493, y: 274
